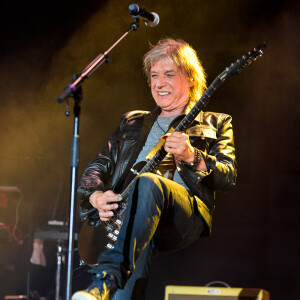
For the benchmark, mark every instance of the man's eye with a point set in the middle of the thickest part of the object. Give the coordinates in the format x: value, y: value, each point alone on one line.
x: 170, y: 75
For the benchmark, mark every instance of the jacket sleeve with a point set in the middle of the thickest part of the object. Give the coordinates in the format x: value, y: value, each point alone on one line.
x: 220, y: 161
x: 96, y: 177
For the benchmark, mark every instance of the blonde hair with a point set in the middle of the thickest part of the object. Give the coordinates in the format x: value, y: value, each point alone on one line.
x: 185, y: 58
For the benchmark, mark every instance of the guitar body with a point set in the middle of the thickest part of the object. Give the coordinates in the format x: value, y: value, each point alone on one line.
x: 91, y: 242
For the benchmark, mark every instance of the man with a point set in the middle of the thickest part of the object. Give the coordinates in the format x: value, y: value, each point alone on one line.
x: 172, y: 208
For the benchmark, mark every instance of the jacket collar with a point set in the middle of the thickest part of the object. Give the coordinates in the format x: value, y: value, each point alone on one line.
x: 187, y: 109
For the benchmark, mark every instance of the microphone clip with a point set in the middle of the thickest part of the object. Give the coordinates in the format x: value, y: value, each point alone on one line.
x: 135, y: 25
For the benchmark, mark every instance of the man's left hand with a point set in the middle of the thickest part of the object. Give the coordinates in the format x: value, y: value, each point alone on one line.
x: 178, y: 144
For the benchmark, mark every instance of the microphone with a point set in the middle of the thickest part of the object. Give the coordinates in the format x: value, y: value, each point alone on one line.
x: 150, y: 19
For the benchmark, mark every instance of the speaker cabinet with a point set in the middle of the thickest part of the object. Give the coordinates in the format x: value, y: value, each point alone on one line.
x: 214, y: 293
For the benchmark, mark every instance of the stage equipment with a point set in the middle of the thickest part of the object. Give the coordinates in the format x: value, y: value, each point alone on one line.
x: 74, y: 90
x: 38, y: 256
x: 10, y: 200
x: 214, y: 293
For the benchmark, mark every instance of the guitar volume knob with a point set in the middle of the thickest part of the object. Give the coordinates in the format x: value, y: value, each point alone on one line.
x: 112, y: 237
x: 109, y: 228
x: 118, y: 222
x: 109, y: 246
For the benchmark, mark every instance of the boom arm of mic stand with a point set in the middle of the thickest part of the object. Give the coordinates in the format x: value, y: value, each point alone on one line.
x: 93, y: 66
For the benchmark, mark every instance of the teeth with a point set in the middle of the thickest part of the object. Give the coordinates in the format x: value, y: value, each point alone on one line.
x: 163, y: 93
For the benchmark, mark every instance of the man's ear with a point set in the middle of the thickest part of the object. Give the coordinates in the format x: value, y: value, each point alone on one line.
x: 191, y: 82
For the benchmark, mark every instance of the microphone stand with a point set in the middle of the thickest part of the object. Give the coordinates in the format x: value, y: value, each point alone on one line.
x: 74, y: 90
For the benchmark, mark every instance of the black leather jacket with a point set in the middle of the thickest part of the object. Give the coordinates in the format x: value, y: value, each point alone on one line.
x: 210, y: 132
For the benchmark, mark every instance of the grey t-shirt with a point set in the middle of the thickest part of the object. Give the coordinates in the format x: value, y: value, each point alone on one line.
x: 167, y: 167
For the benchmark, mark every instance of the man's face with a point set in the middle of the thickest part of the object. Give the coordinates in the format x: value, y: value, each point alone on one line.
x: 169, y: 86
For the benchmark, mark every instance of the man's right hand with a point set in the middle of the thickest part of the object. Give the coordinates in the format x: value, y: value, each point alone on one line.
x: 105, y: 203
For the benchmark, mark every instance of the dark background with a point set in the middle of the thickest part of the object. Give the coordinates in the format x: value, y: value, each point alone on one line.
x: 254, y: 241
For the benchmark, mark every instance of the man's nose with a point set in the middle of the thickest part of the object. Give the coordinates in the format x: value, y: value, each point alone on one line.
x: 161, y: 81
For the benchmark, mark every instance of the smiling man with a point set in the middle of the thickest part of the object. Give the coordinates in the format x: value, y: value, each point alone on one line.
x: 172, y: 207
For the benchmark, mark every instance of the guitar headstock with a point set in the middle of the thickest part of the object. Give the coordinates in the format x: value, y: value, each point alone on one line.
x: 245, y: 60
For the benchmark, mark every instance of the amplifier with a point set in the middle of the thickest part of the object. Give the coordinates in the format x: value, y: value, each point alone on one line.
x: 214, y: 293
